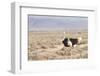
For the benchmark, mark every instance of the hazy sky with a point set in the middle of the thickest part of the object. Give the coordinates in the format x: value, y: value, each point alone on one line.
x: 56, y: 23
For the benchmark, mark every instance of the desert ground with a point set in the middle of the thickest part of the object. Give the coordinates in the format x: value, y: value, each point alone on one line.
x: 45, y: 45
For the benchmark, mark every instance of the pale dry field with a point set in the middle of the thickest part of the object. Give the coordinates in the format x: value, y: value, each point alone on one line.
x: 48, y: 46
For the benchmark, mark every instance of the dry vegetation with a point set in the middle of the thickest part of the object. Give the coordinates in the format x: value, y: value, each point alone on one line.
x: 48, y: 46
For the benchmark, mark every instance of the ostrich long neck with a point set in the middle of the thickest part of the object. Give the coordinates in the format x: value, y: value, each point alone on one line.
x: 68, y: 39
x: 65, y: 36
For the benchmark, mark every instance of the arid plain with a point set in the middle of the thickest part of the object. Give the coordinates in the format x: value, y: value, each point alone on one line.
x: 47, y: 45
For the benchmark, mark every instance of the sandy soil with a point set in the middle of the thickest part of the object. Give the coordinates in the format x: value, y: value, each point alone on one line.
x: 48, y: 46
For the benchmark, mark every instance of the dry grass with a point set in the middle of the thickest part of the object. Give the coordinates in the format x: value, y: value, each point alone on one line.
x: 48, y: 46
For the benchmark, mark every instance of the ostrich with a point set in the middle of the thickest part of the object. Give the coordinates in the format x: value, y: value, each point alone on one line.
x: 71, y: 42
